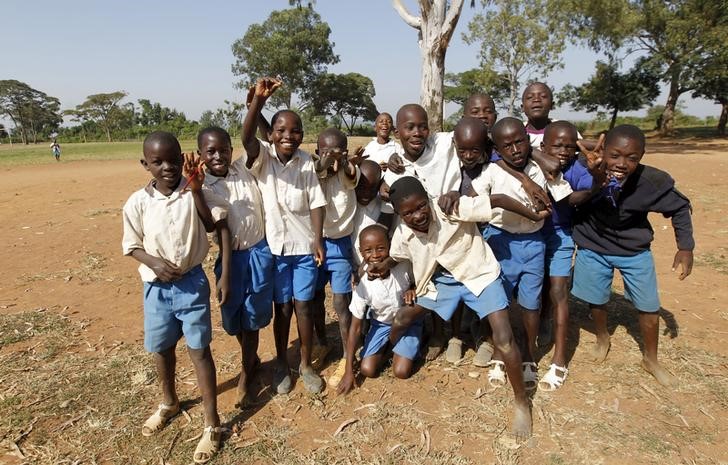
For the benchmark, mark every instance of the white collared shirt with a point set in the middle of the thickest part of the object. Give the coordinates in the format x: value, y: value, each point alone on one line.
x: 452, y: 242
x: 496, y: 180
x: 367, y: 215
x: 384, y: 296
x: 380, y: 153
x: 237, y: 193
x: 289, y: 194
x: 340, y: 203
x: 164, y: 227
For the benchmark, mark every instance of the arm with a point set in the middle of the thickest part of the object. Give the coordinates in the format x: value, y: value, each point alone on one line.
x: 225, y: 243
x: 317, y: 222
x: 193, y: 170
x: 376, y: 270
x: 263, y: 125
x: 508, y: 203
x: 549, y: 165
x: 264, y: 88
x: 534, y: 191
x: 348, y: 382
x: 165, y: 270
x: 683, y: 226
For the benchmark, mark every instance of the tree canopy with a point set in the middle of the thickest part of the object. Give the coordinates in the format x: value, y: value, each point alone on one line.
x: 346, y: 96
x: 104, y: 110
x: 460, y: 86
x: 34, y: 113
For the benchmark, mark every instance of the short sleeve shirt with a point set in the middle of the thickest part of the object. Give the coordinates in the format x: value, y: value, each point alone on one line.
x: 380, y: 153
x: 384, y: 296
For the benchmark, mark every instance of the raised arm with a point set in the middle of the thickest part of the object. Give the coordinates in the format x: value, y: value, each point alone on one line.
x: 264, y: 88
x: 263, y: 125
x: 193, y: 169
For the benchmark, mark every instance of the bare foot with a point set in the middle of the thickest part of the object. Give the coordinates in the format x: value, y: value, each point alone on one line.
x: 661, y: 375
x: 601, y: 349
x: 522, y: 421
x: 435, y: 348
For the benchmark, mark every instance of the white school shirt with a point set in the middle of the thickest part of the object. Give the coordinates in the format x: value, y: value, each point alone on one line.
x: 164, y: 227
x: 536, y: 138
x: 367, y: 215
x: 496, y: 180
x: 237, y: 193
x: 438, y: 168
x: 384, y: 296
x: 453, y: 242
x: 380, y: 153
x: 340, y: 202
x: 289, y: 194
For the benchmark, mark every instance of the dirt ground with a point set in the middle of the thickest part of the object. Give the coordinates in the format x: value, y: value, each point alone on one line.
x: 75, y: 385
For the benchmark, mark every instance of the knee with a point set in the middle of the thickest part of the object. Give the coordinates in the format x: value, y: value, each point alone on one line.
x: 304, y: 310
x: 558, y: 293
x: 402, y: 371
x: 199, y: 355
x: 284, y: 310
x: 368, y: 369
x: 503, y: 340
x: 341, y: 305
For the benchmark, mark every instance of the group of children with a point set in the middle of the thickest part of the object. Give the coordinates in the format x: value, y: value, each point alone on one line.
x: 470, y: 227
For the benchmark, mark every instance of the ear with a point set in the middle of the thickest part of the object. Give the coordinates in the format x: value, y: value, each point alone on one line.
x: 144, y: 163
x: 396, y: 132
x: 541, y: 147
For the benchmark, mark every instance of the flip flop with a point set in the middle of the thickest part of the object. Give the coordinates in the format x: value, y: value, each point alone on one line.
x: 497, y: 373
x: 552, y: 380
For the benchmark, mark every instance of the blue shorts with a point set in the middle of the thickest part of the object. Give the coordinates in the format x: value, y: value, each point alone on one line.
x: 295, y: 278
x: 408, y: 345
x: 559, y: 252
x: 521, y: 257
x: 593, y: 273
x: 451, y: 292
x: 179, y: 308
x: 337, y: 267
x: 250, y: 303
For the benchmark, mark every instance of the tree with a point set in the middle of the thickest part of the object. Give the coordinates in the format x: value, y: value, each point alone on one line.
x: 32, y: 112
x: 476, y: 81
x: 435, y: 27
x: 293, y: 44
x: 228, y: 117
x: 517, y: 39
x: 713, y: 84
x: 348, y: 96
x: 614, y: 91
x: 78, y: 116
x: 104, y: 110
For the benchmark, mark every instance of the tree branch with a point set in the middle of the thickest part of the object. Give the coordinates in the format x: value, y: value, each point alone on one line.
x: 451, y: 19
x: 407, y: 17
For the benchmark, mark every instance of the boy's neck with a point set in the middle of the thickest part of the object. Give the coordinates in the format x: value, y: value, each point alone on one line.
x: 382, y: 140
x: 413, y: 158
x: 539, y: 123
x: 164, y: 192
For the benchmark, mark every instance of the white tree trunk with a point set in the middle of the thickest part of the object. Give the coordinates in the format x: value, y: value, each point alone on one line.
x: 435, y: 27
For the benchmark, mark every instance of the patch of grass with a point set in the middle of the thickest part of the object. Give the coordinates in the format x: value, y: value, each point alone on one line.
x: 22, y: 326
x: 717, y: 259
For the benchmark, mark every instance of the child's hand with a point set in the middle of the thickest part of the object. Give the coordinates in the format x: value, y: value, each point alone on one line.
x: 540, y: 215
x: 319, y: 253
x: 265, y: 87
x: 684, y: 259
x: 449, y: 202
x: 376, y: 270
x: 594, y: 158
x: 395, y: 164
x: 409, y: 297
x: 384, y: 192
x: 193, y: 170
x: 358, y: 156
x: 249, y: 97
x: 347, y: 383
x: 223, y: 289
x: 535, y: 192
x: 166, y: 271
x: 550, y: 167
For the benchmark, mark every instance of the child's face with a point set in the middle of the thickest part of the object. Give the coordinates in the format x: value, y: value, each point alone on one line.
x: 622, y: 157
x: 513, y: 145
x: 287, y: 134
x: 374, y: 246
x: 383, y: 126
x: 415, y: 212
x: 368, y: 187
x: 537, y: 101
x: 164, y: 162
x: 469, y: 148
x: 329, y: 144
x: 413, y: 130
x: 217, y: 153
x: 482, y: 108
x: 560, y: 144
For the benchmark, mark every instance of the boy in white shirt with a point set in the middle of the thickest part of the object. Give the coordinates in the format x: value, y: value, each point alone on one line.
x: 294, y: 207
x: 383, y: 146
x: 370, y: 208
x: 383, y: 295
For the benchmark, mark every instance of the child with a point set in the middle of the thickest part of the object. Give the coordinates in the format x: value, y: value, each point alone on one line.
x: 384, y: 295
x: 249, y: 307
x: 516, y: 240
x: 338, y: 175
x: 383, y: 146
x: 560, y: 143
x: 370, y: 209
x: 613, y: 232
x: 164, y: 229
x: 56, y: 150
x: 294, y: 215
x: 482, y: 106
x: 452, y: 264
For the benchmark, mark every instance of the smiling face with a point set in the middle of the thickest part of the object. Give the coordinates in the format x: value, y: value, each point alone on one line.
x: 216, y: 152
x: 164, y: 161
x: 512, y: 142
x: 482, y: 107
x: 374, y: 245
x: 383, y: 125
x: 622, y: 156
x: 470, y: 136
x: 560, y: 143
x: 412, y: 129
x: 286, y: 133
x: 415, y: 212
x: 537, y: 101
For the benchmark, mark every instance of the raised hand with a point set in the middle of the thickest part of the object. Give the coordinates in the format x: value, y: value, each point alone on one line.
x: 395, y: 164
x: 594, y: 158
x: 358, y: 156
x: 265, y: 87
x: 193, y: 170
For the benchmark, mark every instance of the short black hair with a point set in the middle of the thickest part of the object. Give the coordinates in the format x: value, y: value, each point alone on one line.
x: 280, y: 113
x: 410, y: 107
x: 558, y: 126
x: 538, y: 83
x: 374, y: 228
x: 469, y: 124
x: 405, y: 187
x: 504, y: 123
x: 214, y: 130
x: 370, y: 166
x: 161, y: 138
x: 626, y: 131
x: 335, y: 134
x: 470, y: 99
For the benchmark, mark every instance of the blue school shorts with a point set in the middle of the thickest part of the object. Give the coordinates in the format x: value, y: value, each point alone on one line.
x: 337, y: 267
x: 250, y: 302
x: 559, y: 252
x: 521, y: 257
x: 179, y: 308
x: 408, y: 345
x: 593, y: 273
x: 451, y: 292
x: 295, y: 278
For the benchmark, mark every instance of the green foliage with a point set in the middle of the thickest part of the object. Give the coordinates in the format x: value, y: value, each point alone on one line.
x: 293, y: 44
x: 614, y: 91
x: 345, y: 96
x: 105, y: 111
x: 34, y: 113
x: 228, y: 118
x: 460, y: 86
x: 517, y: 40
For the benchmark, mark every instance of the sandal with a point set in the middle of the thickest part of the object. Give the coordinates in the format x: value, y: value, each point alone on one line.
x: 483, y: 354
x: 530, y: 375
x: 159, y: 419
x: 454, y: 351
x: 311, y: 381
x: 497, y: 374
x: 208, y: 445
x: 552, y: 380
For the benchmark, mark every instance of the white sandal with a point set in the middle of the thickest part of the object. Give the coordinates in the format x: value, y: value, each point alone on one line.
x: 552, y: 380
x: 158, y: 420
x: 530, y: 375
x: 209, y: 444
x: 497, y: 373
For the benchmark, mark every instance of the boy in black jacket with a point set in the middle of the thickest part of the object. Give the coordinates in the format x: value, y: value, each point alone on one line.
x: 612, y: 231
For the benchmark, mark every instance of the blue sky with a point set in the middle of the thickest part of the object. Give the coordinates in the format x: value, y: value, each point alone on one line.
x: 178, y: 53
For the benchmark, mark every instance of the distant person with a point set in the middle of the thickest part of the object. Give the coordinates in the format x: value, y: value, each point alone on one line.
x: 56, y: 150
x: 382, y: 146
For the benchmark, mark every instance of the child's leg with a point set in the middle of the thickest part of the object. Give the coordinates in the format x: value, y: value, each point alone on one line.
x: 406, y: 350
x: 599, y: 317
x: 558, y: 294
x: 304, y: 319
x: 319, y: 317
x: 248, y: 341
x: 304, y: 281
x: 402, y: 367
x: 437, y: 339
x: 531, y: 322
x: 165, y: 363
x: 406, y: 316
x: 207, y: 381
x: 455, y: 345
x: 341, y: 306
x: 649, y: 327
x: 281, y: 331
x: 370, y: 365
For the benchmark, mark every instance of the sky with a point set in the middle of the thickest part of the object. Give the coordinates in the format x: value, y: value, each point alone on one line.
x: 179, y: 53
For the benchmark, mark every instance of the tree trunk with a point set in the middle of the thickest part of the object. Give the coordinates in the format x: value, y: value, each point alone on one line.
x: 108, y: 134
x: 723, y: 117
x: 614, y: 118
x: 512, y: 97
x: 431, y: 86
x: 667, y: 121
